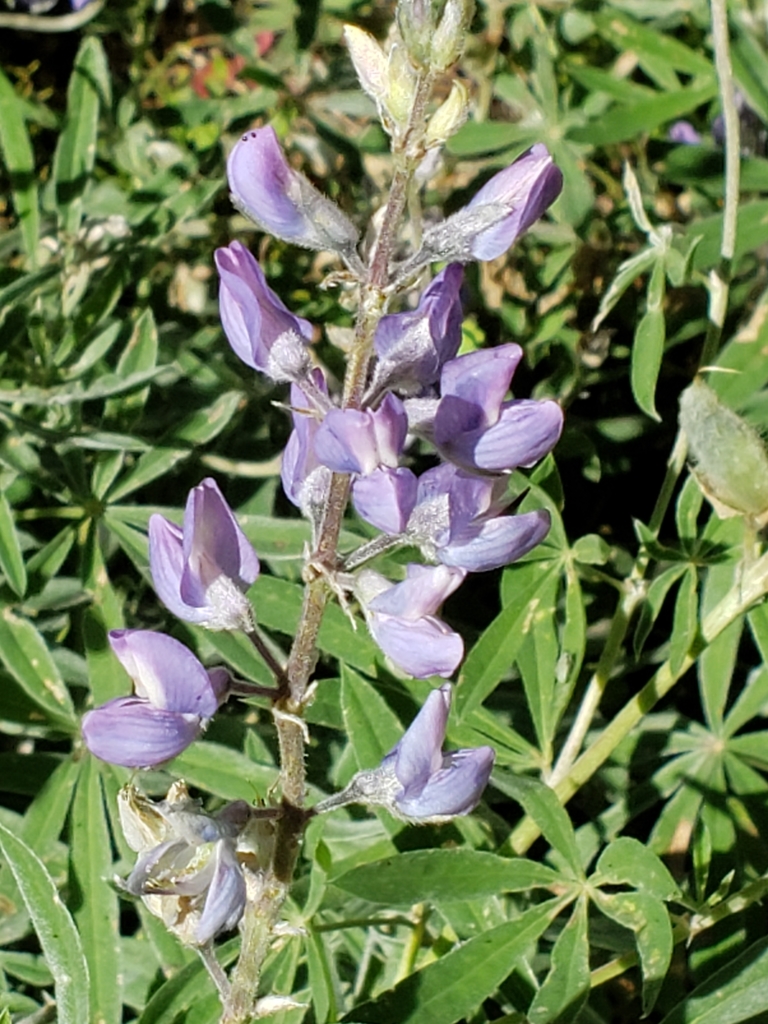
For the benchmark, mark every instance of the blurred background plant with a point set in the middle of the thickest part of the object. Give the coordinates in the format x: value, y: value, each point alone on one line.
x: 118, y: 393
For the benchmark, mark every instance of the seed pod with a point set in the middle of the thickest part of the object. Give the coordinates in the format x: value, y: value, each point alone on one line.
x: 729, y: 458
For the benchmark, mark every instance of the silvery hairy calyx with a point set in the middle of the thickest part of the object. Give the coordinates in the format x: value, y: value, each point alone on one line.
x: 419, y: 442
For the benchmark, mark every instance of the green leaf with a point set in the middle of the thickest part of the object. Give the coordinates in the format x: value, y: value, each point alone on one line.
x: 537, y: 660
x: 751, y: 702
x: 54, y: 926
x: 191, y: 989
x: 97, y: 914
x: 149, y: 467
x: 44, y: 818
x: 225, y: 772
x: 139, y: 355
x: 444, y: 876
x: 717, y: 663
x: 647, y: 917
x: 27, y: 658
x: 491, y: 658
x: 685, y: 623
x: 654, y: 600
x: 649, y: 44
x: 19, y: 158
x: 320, y: 978
x: 371, y: 725
x: 204, y: 424
x: 89, y: 87
x: 628, y: 121
x: 11, y: 558
x: 454, y: 986
x: 540, y: 803
x: 626, y: 861
x: 565, y: 989
x: 648, y: 349
x: 737, y: 992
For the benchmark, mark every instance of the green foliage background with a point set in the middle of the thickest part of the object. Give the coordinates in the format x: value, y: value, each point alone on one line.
x: 118, y: 393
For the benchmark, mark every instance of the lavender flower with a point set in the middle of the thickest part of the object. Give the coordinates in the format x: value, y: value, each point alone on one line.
x: 358, y: 441
x: 418, y: 781
x: 280, y: 200
x: 412, y: 346
x: 401, y: 618
x: 173, y: 701
x: 258, y: 325
x: 200, y: 571
x: 684, y: 133
x: 503, y: 209
x: 305, y: 479
x: 474, y: 428
x: 454, y: 517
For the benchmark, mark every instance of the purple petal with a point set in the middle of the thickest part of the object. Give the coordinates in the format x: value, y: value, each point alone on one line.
x: 282, y: 201
x: 166, y: 563
x: 422, y: 648
x: 226, y: 897
x: 419, y: 752
x: 214, y: 544
x: 496, y: 542
x: 480, y: 380
x: 527, y: 188
x: 453, y: 790
x: 130, y: 731
x: 252, y: 315
x: 385, y: 498
x: 164, y: 672
x: 420, y: 594
x: 685, y: 133
x: 527, y: 430
x: 299, y: 457
x: 357, y: 441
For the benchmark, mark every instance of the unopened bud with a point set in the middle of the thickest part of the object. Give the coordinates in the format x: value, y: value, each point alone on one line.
x: 401, y: 86
x: 450, y: 35
x: 370, y: 62
x: 729, y: 458
x: 415, y: 19
x: 448, y: 118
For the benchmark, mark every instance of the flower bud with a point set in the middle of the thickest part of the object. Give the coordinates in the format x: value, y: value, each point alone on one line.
x: 370, y: 62
x: 448, y: 39
x: 415, y: 19
x: 729, y: 458
x: 448, y: 118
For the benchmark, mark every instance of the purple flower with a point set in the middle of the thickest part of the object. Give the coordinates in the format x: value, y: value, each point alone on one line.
x: 454, y: 517
x: 411, y: 347
x: 305, y: 479
x: 173, y: 701
x: 503, y: 209
x: 358, y: 441
x: 258, y: 326
x: 418, y: 781
x: 401, y: 618
x: 474, y: 428
x: 684, y: 132
x: 280, y: 200
x: 201, y: 570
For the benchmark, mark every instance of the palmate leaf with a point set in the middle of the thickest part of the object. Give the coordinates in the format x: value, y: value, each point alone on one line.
x: 566, y: 988
x: 454, y: 986
x: 54, y: 926
x: 541, y: 804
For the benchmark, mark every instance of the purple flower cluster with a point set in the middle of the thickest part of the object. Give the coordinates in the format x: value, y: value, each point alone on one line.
x: 418, y: 385
x: 454, y: 512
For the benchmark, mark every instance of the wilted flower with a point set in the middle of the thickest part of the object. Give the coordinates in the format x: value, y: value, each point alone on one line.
x: 174, y: 698
x: 401, y: 618
x: 194, y: 869
x: 358, y: 441
x: 201, y: 570
x: 418, y: 781
x: 454, y: 517
x: 503, y: 209
x: 258, y: 325
x: 412, y: 347
x: 476, y: 429
x: 280, y: 200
